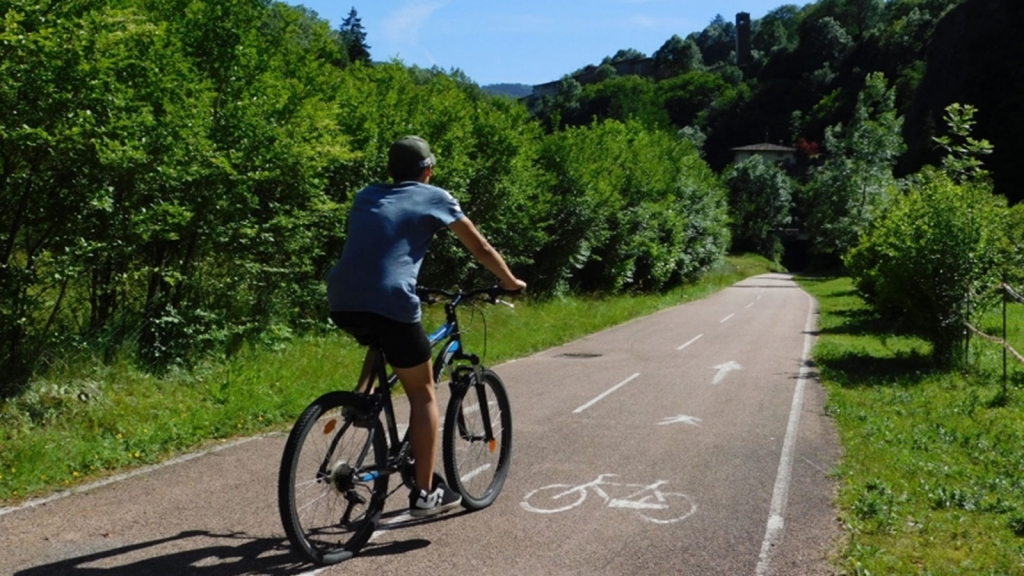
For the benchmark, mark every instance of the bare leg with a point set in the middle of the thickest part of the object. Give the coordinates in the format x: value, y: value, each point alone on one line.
x: 418, y: 383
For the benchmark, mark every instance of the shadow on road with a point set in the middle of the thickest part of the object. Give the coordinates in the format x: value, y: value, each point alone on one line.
x: 270, y: 556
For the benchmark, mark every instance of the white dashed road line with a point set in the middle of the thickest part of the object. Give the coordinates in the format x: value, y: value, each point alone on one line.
x: 607, y: 392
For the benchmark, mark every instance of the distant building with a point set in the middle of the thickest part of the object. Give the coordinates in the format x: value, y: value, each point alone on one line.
x: 775, y: 153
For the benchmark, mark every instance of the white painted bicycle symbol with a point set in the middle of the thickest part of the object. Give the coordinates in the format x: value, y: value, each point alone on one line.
x: 647, y: 500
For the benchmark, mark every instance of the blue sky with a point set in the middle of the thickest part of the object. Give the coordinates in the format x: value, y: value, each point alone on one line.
x: 525, y: 41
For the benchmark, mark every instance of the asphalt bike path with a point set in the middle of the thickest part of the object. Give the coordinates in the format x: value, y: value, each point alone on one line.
x: 691, y: 441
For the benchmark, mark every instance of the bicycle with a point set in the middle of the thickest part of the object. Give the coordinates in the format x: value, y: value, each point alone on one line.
x: 339, y: 457
x: 647, y: 500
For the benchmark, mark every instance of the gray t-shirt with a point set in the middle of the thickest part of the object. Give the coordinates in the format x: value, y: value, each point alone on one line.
x: 390, y: 228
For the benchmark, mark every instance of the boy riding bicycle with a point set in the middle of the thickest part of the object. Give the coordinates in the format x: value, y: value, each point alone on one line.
x: 372, y: 292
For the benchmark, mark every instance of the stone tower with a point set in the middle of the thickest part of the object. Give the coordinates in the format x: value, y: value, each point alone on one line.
x: 742, y: 38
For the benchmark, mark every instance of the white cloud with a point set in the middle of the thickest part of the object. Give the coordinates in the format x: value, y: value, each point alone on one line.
x: 403, y: 25
x: 640, y: 21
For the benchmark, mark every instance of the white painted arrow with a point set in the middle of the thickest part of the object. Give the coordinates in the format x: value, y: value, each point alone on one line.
x: 691, y: 420
x: 724, y: 369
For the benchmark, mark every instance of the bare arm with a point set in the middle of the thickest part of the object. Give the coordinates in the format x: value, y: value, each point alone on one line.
x: 482, y: 250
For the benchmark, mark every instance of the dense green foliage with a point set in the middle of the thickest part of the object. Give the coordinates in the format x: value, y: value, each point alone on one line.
x: 760, y: 199
x: 631, y: 208
x: 175, y: 177
x: 931, y: 256
x: 853, y: 185
x: 935, y: 258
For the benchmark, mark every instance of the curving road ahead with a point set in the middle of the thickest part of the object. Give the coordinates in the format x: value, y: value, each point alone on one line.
x: 692, y: 441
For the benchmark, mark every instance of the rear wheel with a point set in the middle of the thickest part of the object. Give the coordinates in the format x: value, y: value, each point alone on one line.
x: 477, y: 439
x: 332, y: 483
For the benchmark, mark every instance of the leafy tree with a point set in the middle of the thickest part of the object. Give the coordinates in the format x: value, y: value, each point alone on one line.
x: 678, y: 56
x: 846, y: 194
x: 824, y: 43
x: 298, y: 34
x: 563, y: 107
x: 353, y: 37
x: 629, y: 208
x: 606, y: 71
x: 856, y: 17
x: 693, y: 135
x: 963, y: 158
x: 623, y: 98
x: 695, y: 98
x: 777, y: 30
x: 624, y: 55
x: 716, y: 41
x: 760, y: 202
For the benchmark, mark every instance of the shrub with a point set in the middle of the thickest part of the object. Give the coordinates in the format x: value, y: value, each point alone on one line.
x: 931, y: 257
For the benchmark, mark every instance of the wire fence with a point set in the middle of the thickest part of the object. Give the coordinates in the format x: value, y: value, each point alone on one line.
x: 1009, y: 297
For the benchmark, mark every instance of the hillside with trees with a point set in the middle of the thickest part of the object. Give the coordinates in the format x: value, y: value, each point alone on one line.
x: 175, y: 174
x: 804, y: 72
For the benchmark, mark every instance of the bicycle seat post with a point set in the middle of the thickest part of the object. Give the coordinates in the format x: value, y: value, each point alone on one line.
x: 367, y: 373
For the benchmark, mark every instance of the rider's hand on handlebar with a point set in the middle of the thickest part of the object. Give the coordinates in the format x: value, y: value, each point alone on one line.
x: 513, y: 287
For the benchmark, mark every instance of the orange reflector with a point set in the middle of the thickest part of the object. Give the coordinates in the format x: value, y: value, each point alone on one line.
x: 329, y: 427
x: 493, y: 445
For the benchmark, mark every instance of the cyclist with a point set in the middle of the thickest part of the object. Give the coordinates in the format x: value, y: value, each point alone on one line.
x: 372, y: 292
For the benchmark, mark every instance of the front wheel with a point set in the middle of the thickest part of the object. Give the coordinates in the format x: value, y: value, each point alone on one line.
x: 332, y: 482
x: 477, y: 439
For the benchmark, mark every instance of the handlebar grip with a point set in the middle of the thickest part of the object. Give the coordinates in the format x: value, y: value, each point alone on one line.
x: 426, y: 295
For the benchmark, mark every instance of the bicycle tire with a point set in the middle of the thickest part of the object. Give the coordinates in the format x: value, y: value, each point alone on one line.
x: 476, y: 466
x: 330, y: 507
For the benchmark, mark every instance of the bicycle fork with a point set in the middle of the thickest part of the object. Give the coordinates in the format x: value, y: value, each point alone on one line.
x: 473, y: 378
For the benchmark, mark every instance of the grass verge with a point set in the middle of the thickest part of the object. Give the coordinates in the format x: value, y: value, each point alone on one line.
x: 931, y: 479
x: 85, y: 422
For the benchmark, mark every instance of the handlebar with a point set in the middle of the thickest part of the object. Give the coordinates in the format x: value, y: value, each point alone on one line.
x: 428, y: 295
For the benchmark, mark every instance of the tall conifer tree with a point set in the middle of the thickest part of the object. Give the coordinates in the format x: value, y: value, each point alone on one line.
x: 354, y: 38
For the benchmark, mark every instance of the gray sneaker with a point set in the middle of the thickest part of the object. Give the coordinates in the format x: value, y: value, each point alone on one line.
x: 440, y: 499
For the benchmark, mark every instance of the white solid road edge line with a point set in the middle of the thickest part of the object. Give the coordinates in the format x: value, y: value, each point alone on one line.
x: 126, y: 475
x: 776, y: 521
x: 606, y: 392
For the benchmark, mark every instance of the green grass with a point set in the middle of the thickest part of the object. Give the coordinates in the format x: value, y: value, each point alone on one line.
x: 80, y: 423
x: 932, y: 478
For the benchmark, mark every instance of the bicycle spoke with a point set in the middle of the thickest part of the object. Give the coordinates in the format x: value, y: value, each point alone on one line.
x: 469, y: 476
x: 327, y: 509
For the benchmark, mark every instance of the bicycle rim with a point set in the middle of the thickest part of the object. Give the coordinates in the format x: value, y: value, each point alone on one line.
x: 330, y: 494
x: 475, y: 465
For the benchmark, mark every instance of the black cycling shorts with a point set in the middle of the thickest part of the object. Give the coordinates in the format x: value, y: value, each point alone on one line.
x: 404, y: 344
